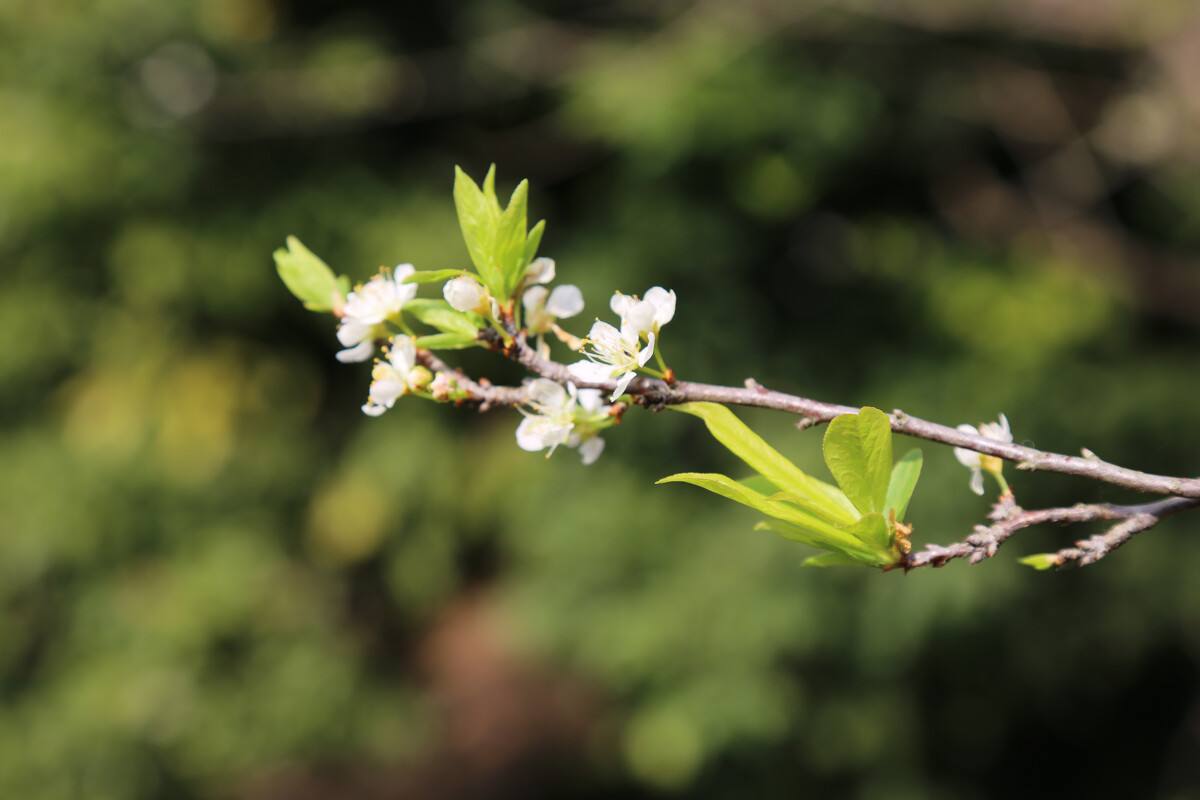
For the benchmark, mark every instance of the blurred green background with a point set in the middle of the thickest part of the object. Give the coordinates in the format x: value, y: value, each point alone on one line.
x: 220, y: 580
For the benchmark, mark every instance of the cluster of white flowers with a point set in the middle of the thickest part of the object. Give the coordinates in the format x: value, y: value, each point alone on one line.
x: 367, y: 310
x: 978, y: 462
x: 554, y: 414
x: 618, y: 353
x: 558, y: 416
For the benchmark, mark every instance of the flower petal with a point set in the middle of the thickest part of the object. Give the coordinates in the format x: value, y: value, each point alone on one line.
x: 590, y: 371
x: 360, y: 352
x: 534, y: 299
x: 663, y: 302
x: 622, y: 384
x: 590, y: 450
x: 565, y: 301
x: 977, y: 481
x: 541, y: 270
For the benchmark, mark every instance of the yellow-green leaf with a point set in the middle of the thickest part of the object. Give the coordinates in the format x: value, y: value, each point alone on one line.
x: 816, y: 496
x: 903, y: 482
x: 858, y: 451
x: 307, y: 277
x: 827, y: 534
x: 1040, y: 561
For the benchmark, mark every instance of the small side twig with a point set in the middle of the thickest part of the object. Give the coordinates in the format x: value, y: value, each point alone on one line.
x: 986, y: 539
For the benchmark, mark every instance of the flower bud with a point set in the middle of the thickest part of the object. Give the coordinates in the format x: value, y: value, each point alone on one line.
x: 466, y: 294
x: 418, y: 378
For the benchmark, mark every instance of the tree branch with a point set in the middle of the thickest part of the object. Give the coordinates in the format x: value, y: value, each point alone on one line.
x: 656, y: 394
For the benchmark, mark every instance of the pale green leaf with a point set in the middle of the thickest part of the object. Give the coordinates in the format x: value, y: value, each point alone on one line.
x: 872, y: 530
x: 448, y: 341
x: 1040, y: 561
x: 903, y: 482
x: 533, y: 241
x: 816, y: 496
x: 827, y: 533
x: 757, y: 483
x: 478, y: 218
x: 851, y: 550
x: 858, y: 451
x: 510, y: 238
x: 307, y: 277
x: 438, y: 314
x: 434, y: 275
x: 831, y: 560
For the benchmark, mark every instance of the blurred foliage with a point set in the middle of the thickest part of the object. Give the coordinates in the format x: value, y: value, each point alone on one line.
x: 218, y: 579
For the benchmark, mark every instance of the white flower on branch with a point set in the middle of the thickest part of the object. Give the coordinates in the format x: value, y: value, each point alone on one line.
x: 395, y: 377
x: 544, y: 307
x: 640, y: 318
x: 977, y: 463
x: 550, y: 419
x: 368, y: 308
x: 612, y: 354
x: 561, y: 416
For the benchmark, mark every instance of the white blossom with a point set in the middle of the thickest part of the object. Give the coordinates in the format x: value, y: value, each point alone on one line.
x: 551, y: 418
x: 368, y: 307
x: 466, y: 294
x: 978, y: 462
x: 543, y: 307
x: 540, y: 270
x: 395, y: 377
x: 645, y: 316
x: 612, y: 354
x: 554, y: 418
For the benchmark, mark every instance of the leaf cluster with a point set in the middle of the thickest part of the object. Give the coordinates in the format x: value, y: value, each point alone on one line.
x: 857, y: 522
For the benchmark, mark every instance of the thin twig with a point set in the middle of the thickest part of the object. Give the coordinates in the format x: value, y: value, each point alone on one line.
x: 986, y: 539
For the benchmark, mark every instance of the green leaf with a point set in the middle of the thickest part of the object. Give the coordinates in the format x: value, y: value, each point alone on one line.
x: 448, y: 341
x: 816, y: 496
x: 903, y: 482
x: 1040, y: 561
x: 438, y: 314
x: 827, y: 534
x: 831, y: 560
x: 533, y: 241
x: 858, y: 451
x: 757, y: 483
x: 478, y: 217
x: 851, y: 550
x: 510, y: 238
x: 872, y: 530
x: 308, y: 277
x: 434, y: 275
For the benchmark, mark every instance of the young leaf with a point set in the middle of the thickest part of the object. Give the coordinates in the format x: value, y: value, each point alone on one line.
x: 850, y: 549
x: 448, y: 341
x: 438, y: 314
x: 716, y: 483
x: 817, y: 497
x: 757, y: 483
x: 831, y: 560
x: 533, y: 241
x: 478, y: 217
x: 306, y: 276
x: 434, y: 275
x: 858, y: 451
x: 1040, y: 561
x: 510, y: 238
x: 904, y: 481
x: 872, y: 530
